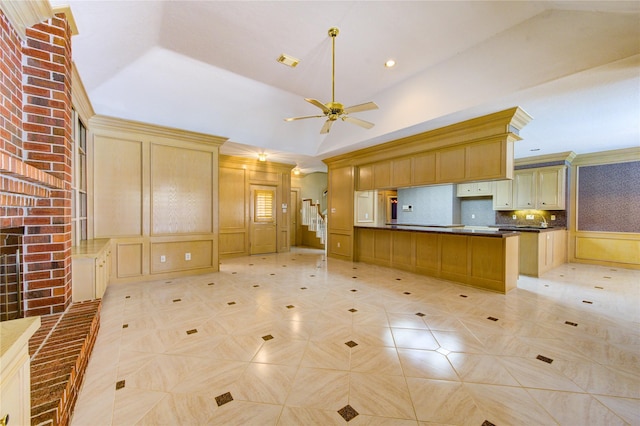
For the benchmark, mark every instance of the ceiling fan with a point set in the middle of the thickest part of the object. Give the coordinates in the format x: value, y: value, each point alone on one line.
x: 335, y: 110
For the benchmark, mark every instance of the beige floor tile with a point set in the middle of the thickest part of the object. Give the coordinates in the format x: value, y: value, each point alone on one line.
x: 443, y: 402
x: 131, y: 405
x: 379, y: 395
x: 296, y: 416
x: 601, y: 380
x: 478, y: 368
x: 267, y: 383
x: 193, y: 409
x: 330, y: 355
x: 319, y: 388
x: 414, y: 339
x: 375, y: 359
x: 575, y: 408
x: 533, y: 373
x: 426, y: 364
x: 626, y: 408
x: 245, y: 413
x: 281, y: 351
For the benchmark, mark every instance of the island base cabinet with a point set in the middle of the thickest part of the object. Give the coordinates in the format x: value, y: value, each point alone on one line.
x: 486, y: 262
x: 540, y: 252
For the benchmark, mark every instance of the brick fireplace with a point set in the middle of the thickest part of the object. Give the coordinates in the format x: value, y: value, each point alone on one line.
x: 35, y: 155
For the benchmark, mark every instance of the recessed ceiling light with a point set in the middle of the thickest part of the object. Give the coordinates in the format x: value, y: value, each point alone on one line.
x: 288, y: 60
x: 390, y: 63
x: 534, y: 149
x: 262, y: 156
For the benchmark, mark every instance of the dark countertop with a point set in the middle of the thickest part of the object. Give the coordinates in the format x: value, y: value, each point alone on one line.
x: 515, y: 228
x: 498, y: 233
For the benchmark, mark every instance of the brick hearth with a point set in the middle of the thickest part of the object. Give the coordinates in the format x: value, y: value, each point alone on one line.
x: 60, y: 352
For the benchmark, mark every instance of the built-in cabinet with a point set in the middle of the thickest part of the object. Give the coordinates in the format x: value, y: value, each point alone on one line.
x: 91, y: 269
x: 474, y: 189
x: 482, y: 160
x: 542, y: 251
x: 15, y: 373
x: 541, y: 188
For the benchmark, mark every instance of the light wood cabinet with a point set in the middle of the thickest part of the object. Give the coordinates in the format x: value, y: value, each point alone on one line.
x: 15, y: 373
x: 424, y: 169
x: 485, y: 262
x: 475, y: 189
x: 401, y: 172
x: 382, y: 175
x: 542, y: 251
x: 503, y: 195
x: 541, y: 188
x: 365, y: 177
x: 90, y: 269
x: 450, y: 165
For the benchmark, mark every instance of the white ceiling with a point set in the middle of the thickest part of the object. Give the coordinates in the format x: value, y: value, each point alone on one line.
x: 210, y: 66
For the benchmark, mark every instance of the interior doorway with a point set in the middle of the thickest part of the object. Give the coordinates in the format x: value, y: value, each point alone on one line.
x: 262, y: 233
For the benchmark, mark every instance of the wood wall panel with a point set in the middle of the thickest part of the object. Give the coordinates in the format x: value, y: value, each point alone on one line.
x: 181, y: 190
x: 232, y: 192
x: 129, y: 260
x: 201, y: 253
x: 233, y: 243
x: 610, y: 249
x: 117, y: 188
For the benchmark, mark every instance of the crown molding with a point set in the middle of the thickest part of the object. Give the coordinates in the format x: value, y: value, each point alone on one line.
x: 254, y: 164
x: 25, y: 14
x: 79, y: 97
x: 608, y: 157
x: 567, y: 156
x: 102, y: 124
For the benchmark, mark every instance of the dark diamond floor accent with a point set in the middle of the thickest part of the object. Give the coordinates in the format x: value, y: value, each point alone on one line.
x: 267, y: 337
x: 575, y: 324
x: 348, y: 412
x: 420, y: 314
x: 255, y: 286
x: 211, y: 284
x: 312, y: 276
x: 353, y: 290
x: 607, y: 278
x: 398, y: 279
x: 290, y: 306
x: 119, y: 384
x: 487, y: 423
x: 406, y: 292
x: 192, y: 331
x: 233, y: 273
x: 224, y: 398
x: 271, y: 274
x: 463, y: 295
x: 588, y: 302
x: 127, y: 297
x: 545, y: 359
x: 351, y: 344
x: 354, y: 277
x: 353, y: 310
x: 125, y: 325
x: 231, y: 303
x: 598, y: 287
x: 303, y: 288
x: 177, y: 300
x: 492, y: 318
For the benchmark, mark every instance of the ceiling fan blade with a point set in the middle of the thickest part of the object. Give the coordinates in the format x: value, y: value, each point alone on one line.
x: 361, y: 107
x: 319, y: 104
x: 357, y: 121
x: 302, y: 118
x: 326, y: 127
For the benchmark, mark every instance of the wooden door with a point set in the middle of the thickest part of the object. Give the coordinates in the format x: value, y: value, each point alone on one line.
x: 262, y: 233
x: 295, y: 216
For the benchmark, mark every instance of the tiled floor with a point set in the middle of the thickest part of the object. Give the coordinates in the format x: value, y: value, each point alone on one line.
x: 294, y: 339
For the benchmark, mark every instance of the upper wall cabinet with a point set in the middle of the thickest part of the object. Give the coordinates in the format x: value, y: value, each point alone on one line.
x: 424, y: 169
x: 503, y: 195
x: 541, y: 189
x: 475, y: 189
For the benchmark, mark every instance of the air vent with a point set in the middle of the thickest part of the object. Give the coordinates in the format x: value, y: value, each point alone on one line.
x: 289, y: 61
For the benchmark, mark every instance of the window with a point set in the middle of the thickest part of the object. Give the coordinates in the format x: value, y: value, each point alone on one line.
x: 264, y: 206
x: 79, y: 181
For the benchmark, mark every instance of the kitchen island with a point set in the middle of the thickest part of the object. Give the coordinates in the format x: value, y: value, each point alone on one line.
x: 482, y: 258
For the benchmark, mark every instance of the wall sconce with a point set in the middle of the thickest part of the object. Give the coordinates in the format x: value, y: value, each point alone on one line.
x: 296, y: 171
x: 262, y: 157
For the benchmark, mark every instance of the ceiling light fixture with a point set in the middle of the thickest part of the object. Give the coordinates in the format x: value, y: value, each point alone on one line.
x: 288, y: 60
x: 390, y: 63
x: 262, y: 157
x: 296, y: 171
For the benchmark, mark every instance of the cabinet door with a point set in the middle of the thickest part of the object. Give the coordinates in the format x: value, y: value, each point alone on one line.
x: 401, y: 172
x: 483, y: 188
x: 465, y: 189
x: 365, y: 177
x: 424, y: 169
x: 524, y: 191
x: 382, y: 175
x: 503, y: 195
x: 551, y: 188
x: 451, y: 165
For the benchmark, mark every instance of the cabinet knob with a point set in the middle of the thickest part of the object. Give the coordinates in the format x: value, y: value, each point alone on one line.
x: 5, y: 420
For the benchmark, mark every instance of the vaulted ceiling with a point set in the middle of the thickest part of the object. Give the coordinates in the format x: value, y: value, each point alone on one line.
x: 210, y: 66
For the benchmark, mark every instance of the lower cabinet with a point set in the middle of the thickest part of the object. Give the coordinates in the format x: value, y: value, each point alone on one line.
x: 542, y: 251
x: 480, y: 261
x: 90, y: 269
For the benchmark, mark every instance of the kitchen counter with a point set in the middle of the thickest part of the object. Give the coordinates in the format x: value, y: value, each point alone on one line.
x: 482, y: 258
x: 449, y: 229
x: 521, y: 228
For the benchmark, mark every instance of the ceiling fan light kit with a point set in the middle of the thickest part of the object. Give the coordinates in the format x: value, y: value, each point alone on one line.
x: 335, y: 110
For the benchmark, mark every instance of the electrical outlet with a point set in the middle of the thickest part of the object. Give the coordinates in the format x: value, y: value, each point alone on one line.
x: 187, y: 256
x: 529, y: 217
x: 553, y: 217
x: 473, y: 216
x: 163, y: 258
x: 338, y: 245
x: 514, y: 217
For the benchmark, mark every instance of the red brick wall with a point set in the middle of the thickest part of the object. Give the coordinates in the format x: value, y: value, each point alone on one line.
x: 45, y: 76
